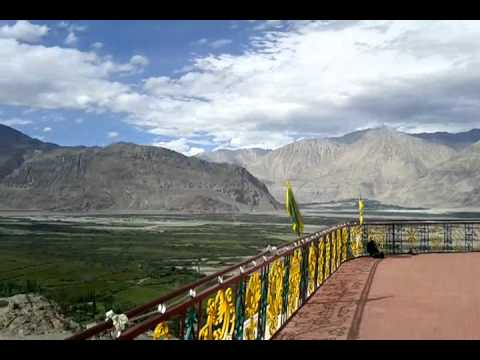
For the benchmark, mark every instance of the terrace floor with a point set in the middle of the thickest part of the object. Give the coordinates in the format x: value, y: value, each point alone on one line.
x: 428, y: 296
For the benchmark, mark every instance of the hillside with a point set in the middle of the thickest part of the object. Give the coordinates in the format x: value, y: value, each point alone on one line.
x: 375, y: 163
x: 240, y: 157
x: 15, y: 147
x: 451, y: 183
x: 457, y: 141
x: 127, y: 176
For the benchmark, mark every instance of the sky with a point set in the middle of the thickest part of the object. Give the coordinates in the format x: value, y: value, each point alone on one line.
x: 195, y: 86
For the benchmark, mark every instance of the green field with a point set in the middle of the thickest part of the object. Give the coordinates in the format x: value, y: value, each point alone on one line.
x: 89, y: 265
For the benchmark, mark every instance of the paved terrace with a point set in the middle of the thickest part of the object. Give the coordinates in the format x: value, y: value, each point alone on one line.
x: 427, y: 296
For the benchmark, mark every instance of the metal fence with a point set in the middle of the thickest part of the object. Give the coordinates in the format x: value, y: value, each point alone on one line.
x: 256, y: 298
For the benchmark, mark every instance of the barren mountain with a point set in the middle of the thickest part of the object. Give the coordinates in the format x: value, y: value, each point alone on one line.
x: 127, y: 176
x: 15, y: 147
x: 374, y: 163
x: 459, y: 141
x: 237, y: 157
x: 453, y: 183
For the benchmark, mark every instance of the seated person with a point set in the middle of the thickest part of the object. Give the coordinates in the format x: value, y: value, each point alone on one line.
x: 373, y: 251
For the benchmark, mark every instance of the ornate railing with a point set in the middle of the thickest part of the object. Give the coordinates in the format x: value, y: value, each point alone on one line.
x: 256, y: 298
x: 400, y: 237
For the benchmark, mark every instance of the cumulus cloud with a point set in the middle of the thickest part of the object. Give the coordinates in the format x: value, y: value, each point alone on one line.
x: 112, y: 134
x: 97, y: 45
x: 47, y: 129
x: 71, y: 39
x: 180, y: 145
x: 220, y: 43
x: 327, y: 78
x: 15, y: 122
x: 24, y: 30
x: 57, y: 78
x: 301, y: 79
x: 139, y: 60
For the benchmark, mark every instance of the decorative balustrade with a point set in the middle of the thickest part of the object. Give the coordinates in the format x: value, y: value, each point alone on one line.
x: 255, y: 299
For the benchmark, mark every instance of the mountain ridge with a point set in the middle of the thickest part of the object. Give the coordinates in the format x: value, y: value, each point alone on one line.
x: 375, y: 163
x: 129, y: 176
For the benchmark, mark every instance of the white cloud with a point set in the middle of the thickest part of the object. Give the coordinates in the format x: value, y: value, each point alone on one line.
x: 15, y: 122
x: 308, y: 79
x: 57, y: 78
x: 78, y: 28
x: 47, y: 129
x: 71, y: 39
x: 79, y: 121
x: 180, y: 145
x: 199, y: 42
x: 71, y: 27
x: 97, y: 45
x: 268, y: 24
x: 112, y: 134
x: 63, y: 24
x: 220, y: 43
x: 214, y: 44
x: 24, y: 30
x: 139, y: 60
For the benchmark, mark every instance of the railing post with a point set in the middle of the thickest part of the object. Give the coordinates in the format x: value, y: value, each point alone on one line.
x: 349, y: 242
x: 286, y: 280
x: 364, y: 238
x: 190, y: 322
x: 239, y: 310
x: 304, y: 275
x: 317, y: 257
x: 394, y: 247
x: 262, y: 311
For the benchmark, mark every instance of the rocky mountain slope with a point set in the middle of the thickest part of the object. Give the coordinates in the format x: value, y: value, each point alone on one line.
x: 458, y: 141
x: 127, y: 176
x: 455, y: 182
x: 16, y: 147
x: 240, y: 157
x: 381, y: 164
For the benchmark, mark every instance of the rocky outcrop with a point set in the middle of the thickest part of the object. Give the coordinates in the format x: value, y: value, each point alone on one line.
x: 31, y: 315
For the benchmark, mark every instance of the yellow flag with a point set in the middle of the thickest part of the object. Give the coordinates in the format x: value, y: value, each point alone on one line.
x: 293, y: 211
x: 361, y: 206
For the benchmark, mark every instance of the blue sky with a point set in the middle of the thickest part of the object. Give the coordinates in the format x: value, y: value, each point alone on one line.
x: 195, y: 86
x: 168, y: 46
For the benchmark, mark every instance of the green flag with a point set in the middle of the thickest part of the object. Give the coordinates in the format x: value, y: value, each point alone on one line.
x: 293, y: 211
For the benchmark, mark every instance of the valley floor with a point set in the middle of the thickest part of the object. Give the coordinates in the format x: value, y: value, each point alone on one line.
x: 89, y: 264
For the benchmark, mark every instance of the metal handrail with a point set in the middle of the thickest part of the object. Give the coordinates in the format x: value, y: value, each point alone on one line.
x: 344, y: 242
x: 287, y: 249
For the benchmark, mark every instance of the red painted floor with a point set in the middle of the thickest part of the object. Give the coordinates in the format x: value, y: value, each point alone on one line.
x: 431, y: 296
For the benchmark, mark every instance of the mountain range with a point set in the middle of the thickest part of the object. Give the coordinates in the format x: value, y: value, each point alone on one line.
x: 37, y: 175
x: 428, y: 169
x: 382, y: 164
